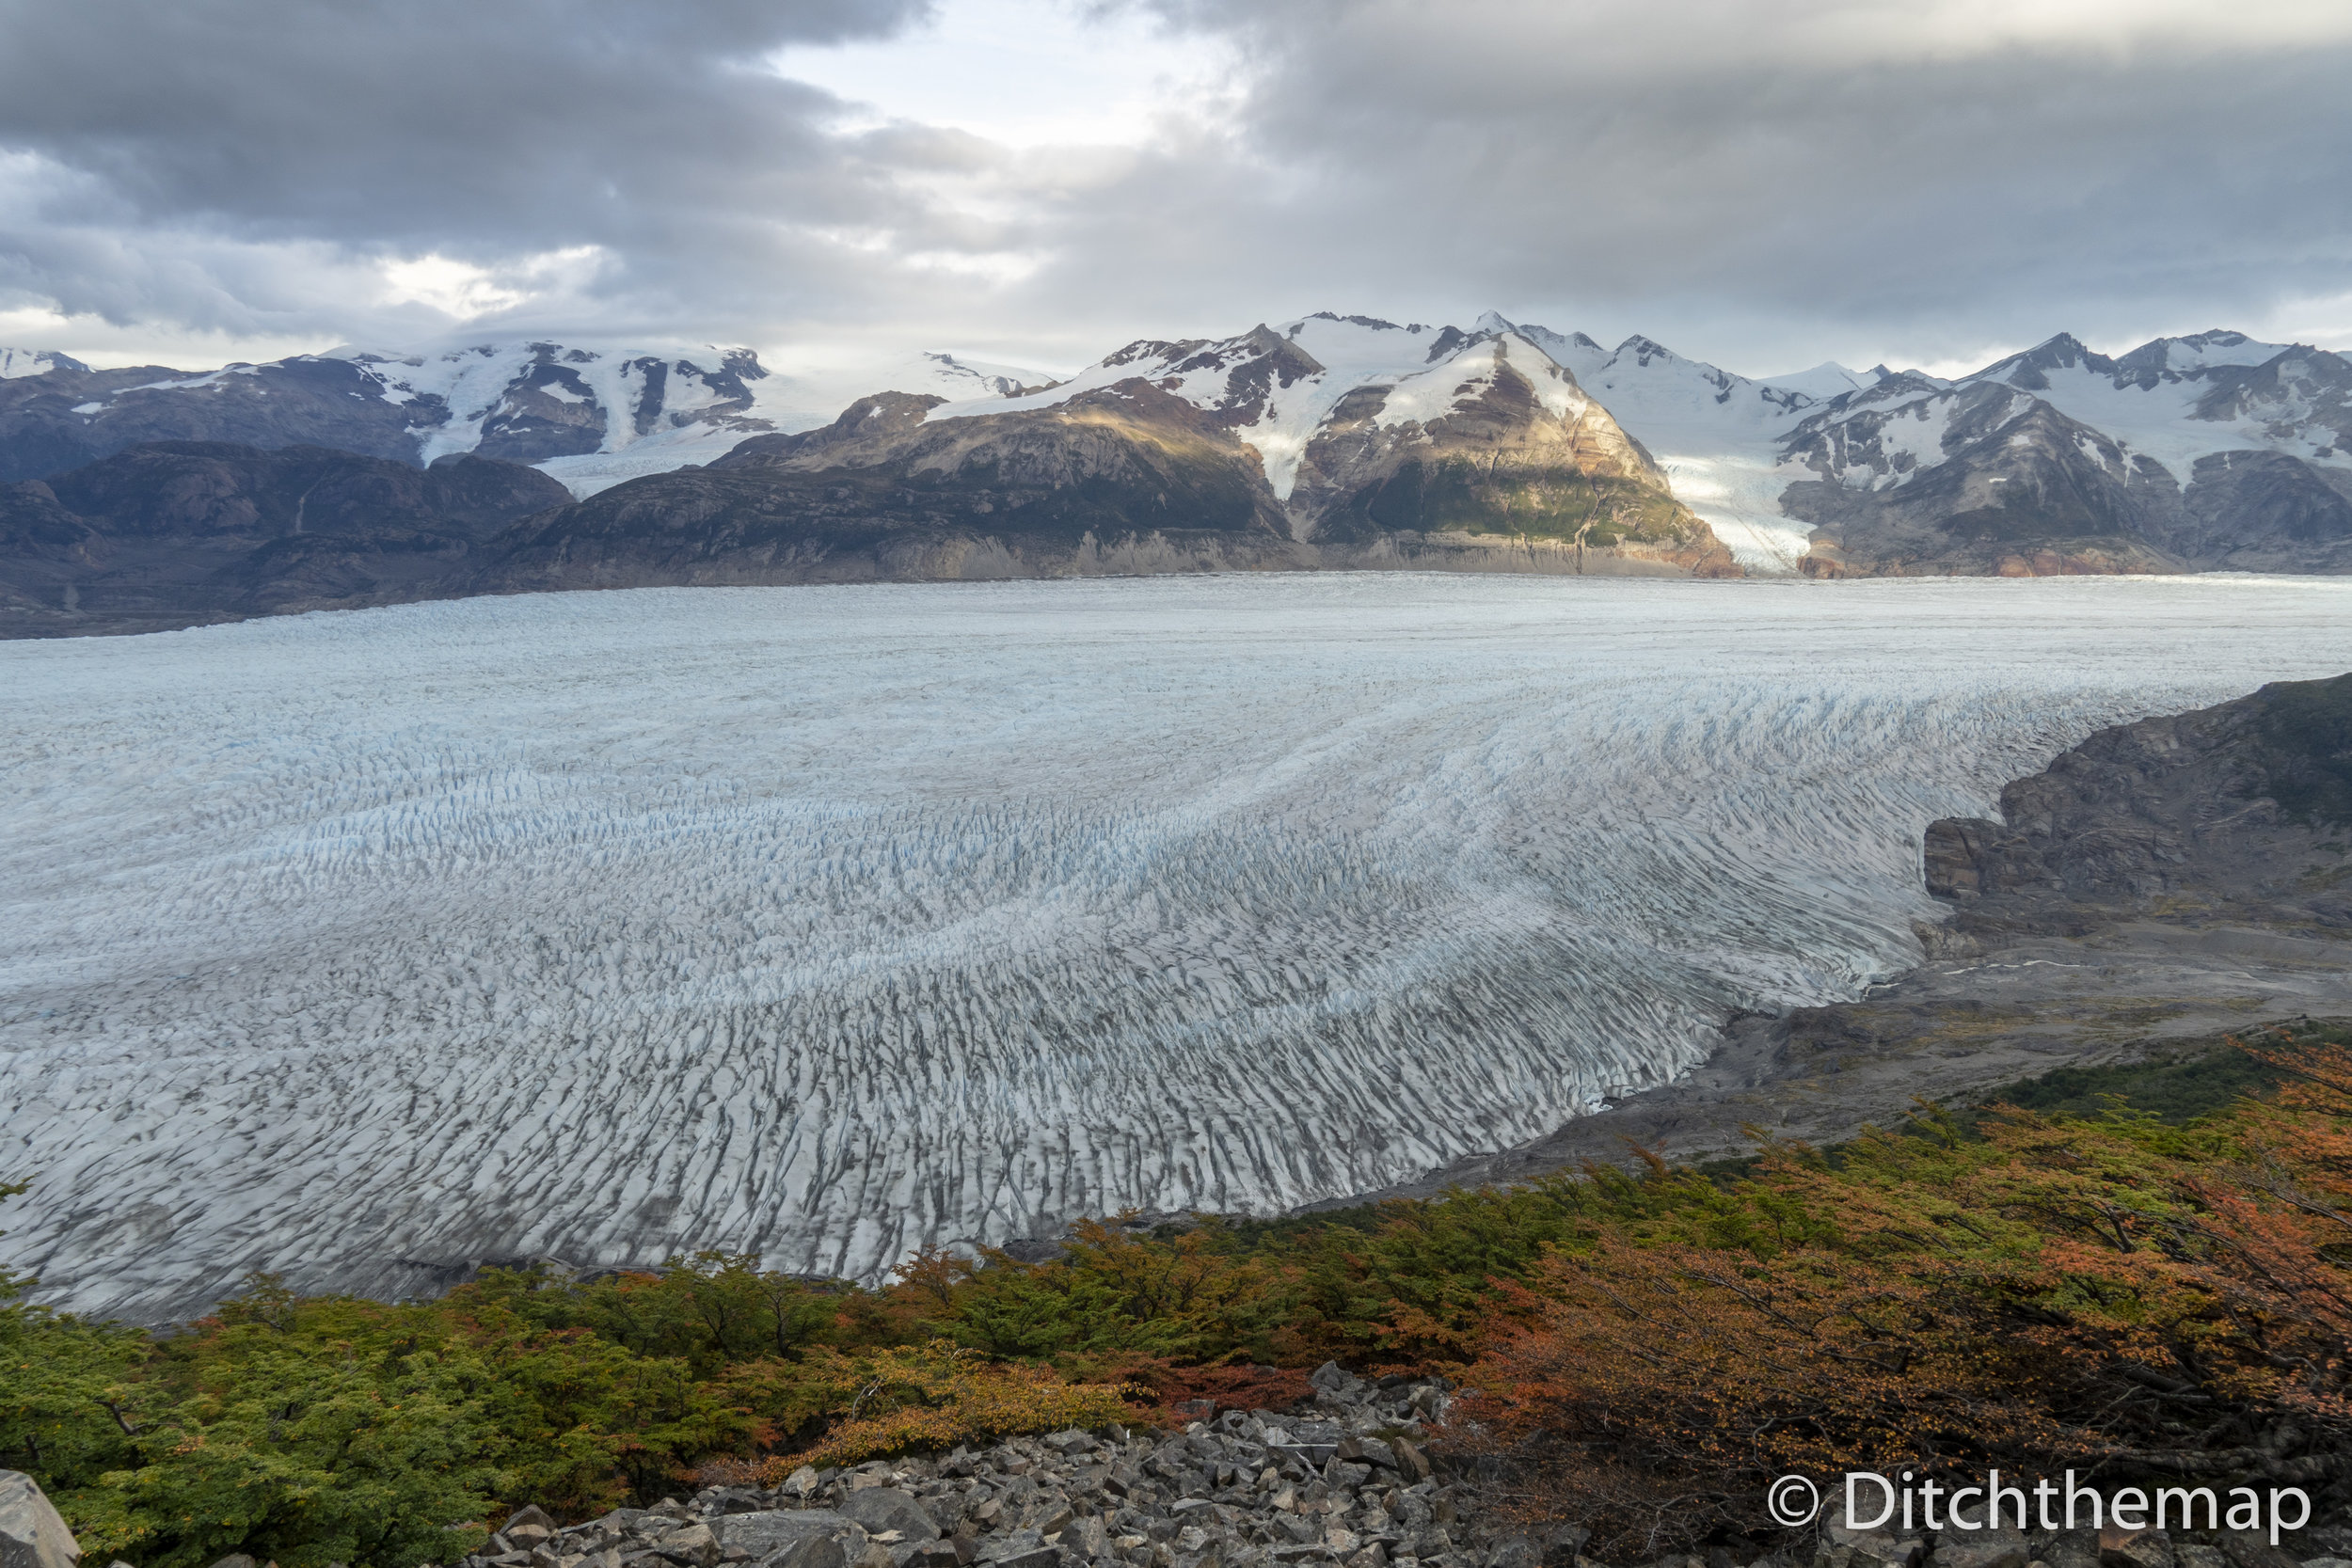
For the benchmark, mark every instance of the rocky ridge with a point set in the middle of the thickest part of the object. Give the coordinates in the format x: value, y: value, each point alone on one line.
x: 527, y: 402
x: 2209, y: 452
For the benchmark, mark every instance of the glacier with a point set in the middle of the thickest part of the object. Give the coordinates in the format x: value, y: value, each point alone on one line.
x: 828, y: 922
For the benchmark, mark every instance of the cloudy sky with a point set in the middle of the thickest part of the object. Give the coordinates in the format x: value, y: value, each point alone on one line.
x: 1766, y: 184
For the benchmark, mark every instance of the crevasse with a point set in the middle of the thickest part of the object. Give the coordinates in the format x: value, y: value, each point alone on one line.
x: 826, y: 923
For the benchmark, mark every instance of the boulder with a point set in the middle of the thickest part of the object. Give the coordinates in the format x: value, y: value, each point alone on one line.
x: 886, y: 1507
x: 814, y: 1551
x: 1981, y: 1549
x: 2136, y: 1549
x: 31, y: 1533
x: 1013, y: 1547
x: 2246, y: 1549
x: 1331, y: 1377
x: 796, y: 1538
x: 693, y: 1545
x: 529, y: 1527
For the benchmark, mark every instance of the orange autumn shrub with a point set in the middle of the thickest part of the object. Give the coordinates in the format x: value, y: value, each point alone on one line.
x: 924, y: 1398
x: 2117, y: 1295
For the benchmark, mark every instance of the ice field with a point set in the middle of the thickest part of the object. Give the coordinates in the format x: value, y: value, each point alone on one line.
x: 826, y: 921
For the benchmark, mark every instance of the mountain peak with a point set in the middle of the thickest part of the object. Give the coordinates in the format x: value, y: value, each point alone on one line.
x: 18, y: 363
x: 2030, y: 370
x: 1645, y: 350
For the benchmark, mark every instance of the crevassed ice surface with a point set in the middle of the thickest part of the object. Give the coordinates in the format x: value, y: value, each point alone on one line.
x: 827, y: 922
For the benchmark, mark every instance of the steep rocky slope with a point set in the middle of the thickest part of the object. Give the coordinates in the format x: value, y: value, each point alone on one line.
x: 179, y: 533
x: 71, y: 415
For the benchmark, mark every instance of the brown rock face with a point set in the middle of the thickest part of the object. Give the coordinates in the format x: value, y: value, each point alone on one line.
x: 1132, y: 478
x: 1124, y: 479
x: 1502, y: 462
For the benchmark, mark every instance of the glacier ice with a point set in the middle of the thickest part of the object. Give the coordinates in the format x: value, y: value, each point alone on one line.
x: 827, y: 922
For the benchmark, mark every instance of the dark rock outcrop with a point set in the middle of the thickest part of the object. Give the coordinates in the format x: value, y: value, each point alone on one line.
x: 2264, y: 512
x: 2242, y: 804
x: 178, y: 533
x: 2168, y: 881
x: 2021, y: 490
x: 68, y: 418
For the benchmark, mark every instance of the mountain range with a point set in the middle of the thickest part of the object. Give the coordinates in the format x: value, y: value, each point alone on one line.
x: 1328, y: 441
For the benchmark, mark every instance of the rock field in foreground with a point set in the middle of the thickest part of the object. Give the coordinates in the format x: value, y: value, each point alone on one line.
x: 1343, y: 1481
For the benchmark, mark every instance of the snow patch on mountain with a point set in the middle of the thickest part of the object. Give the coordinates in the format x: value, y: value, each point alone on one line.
x: 1717, y: 435
x: 1827, y: 380
x: 1276, y: 386
x: 2172, y: 400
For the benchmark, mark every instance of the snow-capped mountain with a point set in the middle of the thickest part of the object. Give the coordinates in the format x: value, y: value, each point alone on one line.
x: 2207, y: 451
x: 2196, y: 452
x: 1330, y: 443
x: 15, y: 362
x: 1363, y: 425
x: 591, y: 415
x: 1278, y: 389
x: 1717, y: 436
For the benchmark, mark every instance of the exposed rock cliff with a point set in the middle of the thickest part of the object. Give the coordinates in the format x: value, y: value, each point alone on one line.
x: 1519, y: 451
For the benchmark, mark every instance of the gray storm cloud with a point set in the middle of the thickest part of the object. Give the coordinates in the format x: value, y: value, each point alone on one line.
x: 1759, y: 184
